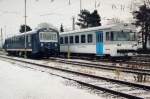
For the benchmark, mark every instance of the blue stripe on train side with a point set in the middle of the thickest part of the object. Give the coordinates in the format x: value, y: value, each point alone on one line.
x: 99, y: 43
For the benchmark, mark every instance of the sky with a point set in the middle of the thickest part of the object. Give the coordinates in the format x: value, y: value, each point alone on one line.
x: 57, y: 12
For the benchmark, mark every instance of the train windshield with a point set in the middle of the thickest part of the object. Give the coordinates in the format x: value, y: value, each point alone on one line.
x: 48, y: 37
x: 122, y: 36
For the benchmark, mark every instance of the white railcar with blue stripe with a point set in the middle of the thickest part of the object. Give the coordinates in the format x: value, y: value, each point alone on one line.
x: 109, y: 40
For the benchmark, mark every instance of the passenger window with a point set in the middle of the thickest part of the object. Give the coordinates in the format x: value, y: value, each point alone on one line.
x: 71, y: 39
x: 112, y: 36
x: 66, y: 40
x: 107, y: 36
x: 29, y: 38
x: 90, y: 38
x: 10, y: 40
x: 83, y: 39
x: 20, y: 38
x: 15, y: 39
x: 77, y: 39
x: 61, y: 40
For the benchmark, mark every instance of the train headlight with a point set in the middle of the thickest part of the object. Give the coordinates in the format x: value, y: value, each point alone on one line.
x: 119, y: 44
x: 42, y: 44
x: 135, y: 44
x: 30, y: 44
x: 55, y: 45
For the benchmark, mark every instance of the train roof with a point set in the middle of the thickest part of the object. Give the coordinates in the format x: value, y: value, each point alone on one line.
x: 115, y: 27
x: 21, y: 34
x: 36, y: 30
x: 27, y: 33
x: 32, y: 32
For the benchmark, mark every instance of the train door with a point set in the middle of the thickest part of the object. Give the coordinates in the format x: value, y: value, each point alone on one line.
x: 34, y: 43
x: 99, y: 42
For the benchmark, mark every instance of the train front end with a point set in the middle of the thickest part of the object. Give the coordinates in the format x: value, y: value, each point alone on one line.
x: 121, y: 43
x: 49, y: 42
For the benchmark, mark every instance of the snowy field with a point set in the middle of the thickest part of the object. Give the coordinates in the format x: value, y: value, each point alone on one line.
x: 21, y: 83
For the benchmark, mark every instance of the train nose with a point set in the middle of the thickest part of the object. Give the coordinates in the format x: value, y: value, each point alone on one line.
x: 50, y: 48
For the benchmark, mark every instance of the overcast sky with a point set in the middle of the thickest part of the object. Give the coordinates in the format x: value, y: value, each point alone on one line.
x: 57, y: 11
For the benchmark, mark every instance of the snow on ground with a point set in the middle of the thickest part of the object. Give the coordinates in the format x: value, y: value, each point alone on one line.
x: 101, y: 72
x: 20, y: 83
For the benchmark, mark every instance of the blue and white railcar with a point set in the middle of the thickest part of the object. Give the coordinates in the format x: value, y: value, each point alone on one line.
x: 99, y: 41
x: 41, y: 42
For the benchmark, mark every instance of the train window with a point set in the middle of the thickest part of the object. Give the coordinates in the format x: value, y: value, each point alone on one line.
x: 71, y: 39
x: 48, y: 36
x: 121, y: 36
x: 21, y: 38
x: 132, y: 36
x: 66, y: 40
x: 10, y: 40
x: 29, y: 38
x: 112, y: 36
x: 100, y: 37
x: 76, y: 39
x: 107, y: 36
x: 15, y: 39
x: 83, y: 39
x: 54, y: 36
x: 90, y: 38
x: 61, y: 40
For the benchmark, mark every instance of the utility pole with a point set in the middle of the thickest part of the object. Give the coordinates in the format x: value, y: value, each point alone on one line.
x: 69, y: 2
x: 80, y: 5
x: 1, y: 38
x: 25, y: 44
x: 95, y: 4
x: 73, y: 23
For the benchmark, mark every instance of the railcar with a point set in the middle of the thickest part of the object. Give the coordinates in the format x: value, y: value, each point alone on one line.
x: 39, y: 43
x: 112, y: 41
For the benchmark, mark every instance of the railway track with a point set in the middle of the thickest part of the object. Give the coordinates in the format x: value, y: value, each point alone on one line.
x: 113, y: 86
x: 114, y: 68
x: 134, y: 62
x: 139, y: 61
x: 104, y: 66
x: 143, y: 59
